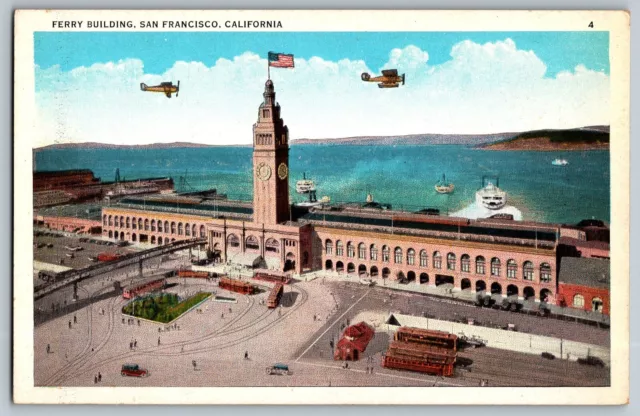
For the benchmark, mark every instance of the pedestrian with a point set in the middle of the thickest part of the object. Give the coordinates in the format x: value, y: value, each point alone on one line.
x: 122, y: 321
x: 99, y: 376
x: 95, y: 379
x: 159, y: 329
x: 48, y: 348
x: 75, y: 320
x: 194, y: 365
x: 230, y: 310
x: 158, y: 341
x: 246, y: 355
x: 182, y: 349
x: 222, y: 315
x: 314, y: 318
x: 69, y: 324
x: 130, y: 345
x: 135, y: 343
x: 138, y: 322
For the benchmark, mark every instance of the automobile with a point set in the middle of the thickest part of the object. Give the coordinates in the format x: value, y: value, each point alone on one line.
x: 94, y: 259
x: 279, y: 369
x: 123, y: 243
x: 50, y: 245
x: 591, y: 360
x: 40, y: 245
x: 548, y: 356
x: 133, y: 370
x: 83, y: 240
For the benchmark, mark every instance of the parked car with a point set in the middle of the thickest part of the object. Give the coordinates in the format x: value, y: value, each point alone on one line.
x: 133, y: 370
x: 591, y: 360
x: 548, y: 356
x: 279, y: 369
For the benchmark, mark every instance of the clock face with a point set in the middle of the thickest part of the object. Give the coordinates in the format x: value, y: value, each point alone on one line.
x: 263, y: 172
x: 282, y: 171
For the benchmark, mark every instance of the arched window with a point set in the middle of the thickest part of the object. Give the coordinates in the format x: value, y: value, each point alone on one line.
x: 134, y: 223
x: 173, y: 227
x: 146, y: 224
x: 351, y: 250
x: 187, y: 230
x: 339, y: 248
x: 203, y: 232
x: 153, y: 225
x: 373, y: 252
x: 272, y: 246
x: 159, y: 230
x: 465, y: 263
x: 233, y: 240
x: 424, y: 258
x: 252, y: 243
x: 385, y: 254
x: 451, y: 261
x: 512, y: 269
x: 180, y: 228
x: 110, y: 220
x: 397, y: 255
x: 139, y: 223
x: 328, y: 247
x: 597, y: 305
x: 362, y: 251
x: 116, y: 221
x: 411, y: 257
x: 480, y: 265
x: 128, y: 222
x: 437, y: 260
x: 104, y: 220
x: 166, y: 227
x: 545, y: 272
x: 527, y: 270
x: 578, y: 301
x: 495, y: 266
x: 121, y: 221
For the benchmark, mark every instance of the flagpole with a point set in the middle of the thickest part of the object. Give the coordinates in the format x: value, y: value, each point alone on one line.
x: 268, y: 69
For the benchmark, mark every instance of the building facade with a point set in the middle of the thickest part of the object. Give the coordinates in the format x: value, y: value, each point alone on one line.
x: 491, y: 257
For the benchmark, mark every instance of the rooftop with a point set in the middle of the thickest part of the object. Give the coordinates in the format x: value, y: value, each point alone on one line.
x: 584, y: 271
x: 82, y: 211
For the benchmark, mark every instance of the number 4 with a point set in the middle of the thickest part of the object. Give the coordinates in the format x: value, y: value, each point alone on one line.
x: 591, y: 24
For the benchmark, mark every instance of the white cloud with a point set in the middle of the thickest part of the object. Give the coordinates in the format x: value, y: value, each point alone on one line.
x: 487, y: 88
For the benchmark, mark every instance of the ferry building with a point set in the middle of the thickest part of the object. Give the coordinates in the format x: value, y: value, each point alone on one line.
x: 492, y: 256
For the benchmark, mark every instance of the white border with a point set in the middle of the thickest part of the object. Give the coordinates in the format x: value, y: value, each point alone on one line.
x: 616, y: 22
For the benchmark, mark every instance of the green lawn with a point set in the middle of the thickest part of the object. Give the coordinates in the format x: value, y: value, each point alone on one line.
x: 162, y: 308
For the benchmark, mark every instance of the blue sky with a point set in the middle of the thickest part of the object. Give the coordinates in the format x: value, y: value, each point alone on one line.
x: 158, y: 50
x: 88, y: 84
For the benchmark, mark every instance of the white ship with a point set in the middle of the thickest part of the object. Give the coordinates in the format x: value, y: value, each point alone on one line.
x: 490, y: 196
x: 304, y: 186
x: 560, y: 162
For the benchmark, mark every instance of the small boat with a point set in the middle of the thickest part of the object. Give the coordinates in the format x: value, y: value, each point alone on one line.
x: 443, y: 187
x: 305, y: 185
x: 560, y: 162
x: 490, y: 196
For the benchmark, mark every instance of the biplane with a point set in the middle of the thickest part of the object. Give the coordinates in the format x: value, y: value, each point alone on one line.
x: 388, y: 79
x: 165, y: 87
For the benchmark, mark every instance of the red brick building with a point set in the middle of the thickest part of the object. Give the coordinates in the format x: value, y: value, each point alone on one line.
x: 584, y: 283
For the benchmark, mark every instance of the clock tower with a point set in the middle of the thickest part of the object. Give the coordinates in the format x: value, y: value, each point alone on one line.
x: 270, y: 162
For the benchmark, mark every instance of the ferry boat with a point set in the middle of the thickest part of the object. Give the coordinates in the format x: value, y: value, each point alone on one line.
x: 490, y: 196
x: 305, y: 185
x: 560, y: 162
x: 443, y: 187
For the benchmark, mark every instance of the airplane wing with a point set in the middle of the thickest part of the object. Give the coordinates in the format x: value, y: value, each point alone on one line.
x: 388, y: 85
x: 390, y: 72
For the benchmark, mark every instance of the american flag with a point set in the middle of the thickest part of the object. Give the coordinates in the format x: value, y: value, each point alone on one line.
x: 280, y: 60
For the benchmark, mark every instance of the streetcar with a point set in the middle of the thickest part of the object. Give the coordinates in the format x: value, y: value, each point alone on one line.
x: 275, y: 296
x: 140, y: 288
x: 427, y: 337
x: 237, y: 286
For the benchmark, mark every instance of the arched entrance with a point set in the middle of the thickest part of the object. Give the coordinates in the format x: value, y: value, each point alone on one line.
x: 443, y: 280
x: 465, y: 284
x: 512, y: 290
x: 424, y: 278
x: 110, y: 234
x: 496, y: 288
x: 529, y: 293
x: 339, y: 267
x: 153, y: 239
x: 328, y: 265
x: 290, y: 262
x: 351, y: 268
x: 544, y: 295
x: 133, y: 237
x: 385, y: 273
x: 159, y: 240
x: 481, y: 286
x: 411, y: 276
x: 374, y: 271
x: 362, y: 270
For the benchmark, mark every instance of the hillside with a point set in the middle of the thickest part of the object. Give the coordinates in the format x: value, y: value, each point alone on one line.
x: 591, y: 138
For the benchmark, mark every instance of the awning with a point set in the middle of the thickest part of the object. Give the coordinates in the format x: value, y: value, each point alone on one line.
x: 246, y: 259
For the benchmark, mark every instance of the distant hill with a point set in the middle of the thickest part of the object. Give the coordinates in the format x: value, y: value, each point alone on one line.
x: 411, y: 139
x: 586, y: 138
x: 93, y: 145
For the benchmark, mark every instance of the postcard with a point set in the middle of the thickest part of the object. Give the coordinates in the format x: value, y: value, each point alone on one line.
x: 327, y: 207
